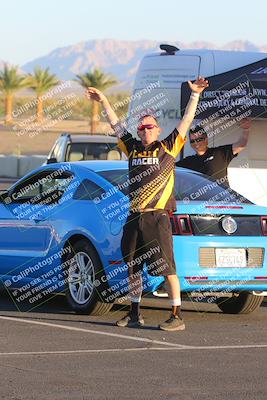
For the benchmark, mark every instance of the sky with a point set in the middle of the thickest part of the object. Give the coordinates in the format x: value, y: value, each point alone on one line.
x: 31, y: 28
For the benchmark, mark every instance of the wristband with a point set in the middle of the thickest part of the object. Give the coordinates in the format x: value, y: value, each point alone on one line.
x: 194, y: 95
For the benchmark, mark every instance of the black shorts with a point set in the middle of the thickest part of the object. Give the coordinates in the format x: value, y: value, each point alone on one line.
x: 147, y: 238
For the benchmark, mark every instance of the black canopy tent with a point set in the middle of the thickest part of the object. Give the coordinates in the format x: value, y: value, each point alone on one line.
x: 233, y: 95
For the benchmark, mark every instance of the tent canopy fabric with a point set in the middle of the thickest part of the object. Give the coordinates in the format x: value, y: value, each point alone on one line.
x: 233, y: 95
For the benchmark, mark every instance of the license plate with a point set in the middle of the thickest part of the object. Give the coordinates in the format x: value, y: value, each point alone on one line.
x: 231, y: 258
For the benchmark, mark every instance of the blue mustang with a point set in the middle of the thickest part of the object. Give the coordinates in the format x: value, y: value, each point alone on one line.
x: 60, y: 231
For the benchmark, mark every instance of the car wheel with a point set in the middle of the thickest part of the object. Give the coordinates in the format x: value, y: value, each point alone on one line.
x: 82, y: 268
x: 242, y: 303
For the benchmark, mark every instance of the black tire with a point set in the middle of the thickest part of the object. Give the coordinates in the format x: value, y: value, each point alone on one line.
x: 81, y: 294
x: 239, y: 303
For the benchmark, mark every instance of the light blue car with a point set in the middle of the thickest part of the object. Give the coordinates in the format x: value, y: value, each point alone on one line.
x: 61, y: 226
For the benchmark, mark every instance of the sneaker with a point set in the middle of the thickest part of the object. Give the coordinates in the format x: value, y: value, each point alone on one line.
x: 131, y: 321
x: 174, y: 323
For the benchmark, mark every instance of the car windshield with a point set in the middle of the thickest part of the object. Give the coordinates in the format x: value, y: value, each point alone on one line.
x: 90, y: 151
x: 192, y: 186
x: 189, y: 186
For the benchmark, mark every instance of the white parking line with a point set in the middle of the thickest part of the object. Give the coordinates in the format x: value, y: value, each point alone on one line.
x: 169, y: 346
x: 134, y: 349
x: 66, y: 352
x: 72, y: 328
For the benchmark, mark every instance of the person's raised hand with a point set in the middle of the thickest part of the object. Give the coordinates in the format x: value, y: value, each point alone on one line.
x: 245, y: 123
x: 94, y: 94
x: 199, y: 85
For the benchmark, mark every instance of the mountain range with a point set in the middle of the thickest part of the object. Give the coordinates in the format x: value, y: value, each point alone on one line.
x: 119, y: 58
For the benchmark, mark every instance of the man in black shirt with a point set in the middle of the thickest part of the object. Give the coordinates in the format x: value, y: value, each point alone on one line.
x: 213, y: 161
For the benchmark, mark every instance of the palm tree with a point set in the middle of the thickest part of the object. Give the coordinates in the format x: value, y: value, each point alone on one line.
x: 41, y: 81
x: 10, y: 82
x: 99, y: 80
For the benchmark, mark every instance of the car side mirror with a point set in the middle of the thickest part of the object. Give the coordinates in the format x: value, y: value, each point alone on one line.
x: 51, y: 160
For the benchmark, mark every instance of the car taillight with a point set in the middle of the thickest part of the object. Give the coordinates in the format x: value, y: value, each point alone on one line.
x: 264, y: 225
x: 181, y: 225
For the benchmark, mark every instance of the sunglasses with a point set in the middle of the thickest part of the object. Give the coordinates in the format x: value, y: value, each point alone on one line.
x: 200, y: 139
x: 147, y: 126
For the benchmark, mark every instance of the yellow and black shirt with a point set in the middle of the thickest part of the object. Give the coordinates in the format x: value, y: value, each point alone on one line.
x: 151, y: 171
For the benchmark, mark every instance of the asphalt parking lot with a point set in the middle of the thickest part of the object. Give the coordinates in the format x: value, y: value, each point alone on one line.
x: 52, y: 353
